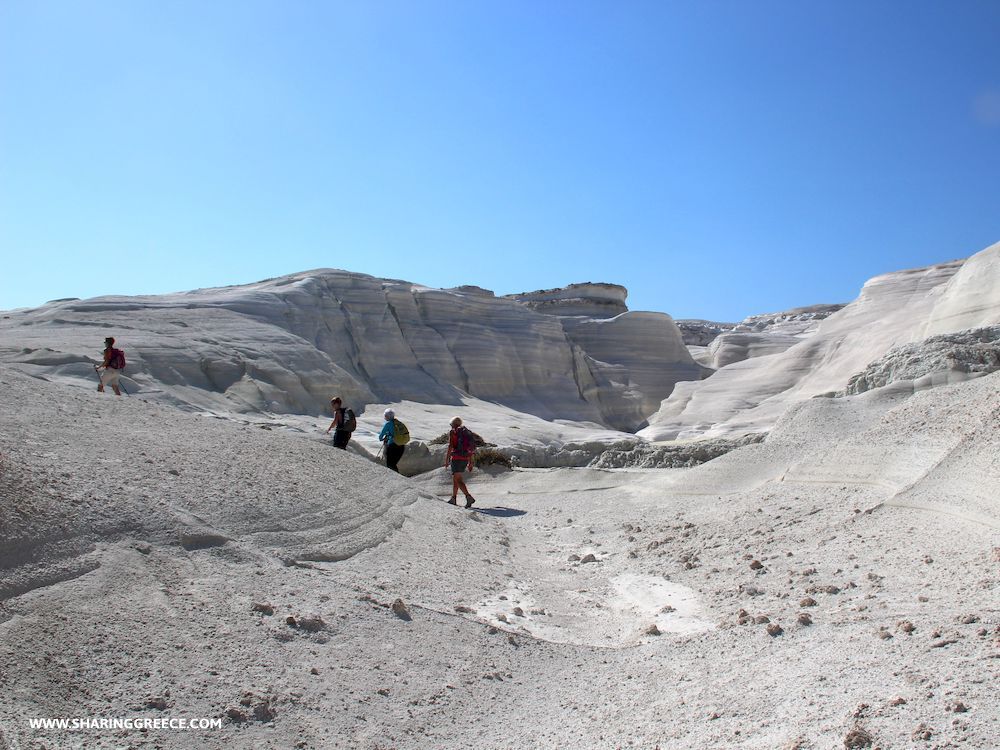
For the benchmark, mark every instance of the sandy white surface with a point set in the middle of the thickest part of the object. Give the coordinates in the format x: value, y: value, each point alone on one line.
x: 138, y: 540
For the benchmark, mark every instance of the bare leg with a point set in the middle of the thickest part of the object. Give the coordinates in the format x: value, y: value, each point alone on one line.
x: 458, y: 483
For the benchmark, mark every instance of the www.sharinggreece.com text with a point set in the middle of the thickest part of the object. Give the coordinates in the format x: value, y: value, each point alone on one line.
x: 85, y: 723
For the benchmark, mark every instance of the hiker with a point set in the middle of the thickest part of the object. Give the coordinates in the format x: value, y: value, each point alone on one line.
x: 391, y: 438
x: 110, y: 369
x: 461, y: 449
x: 341, y: 424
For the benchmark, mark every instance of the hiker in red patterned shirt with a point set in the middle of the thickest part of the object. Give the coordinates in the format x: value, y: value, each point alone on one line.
x: 111, y: 366
x: 461, y: 449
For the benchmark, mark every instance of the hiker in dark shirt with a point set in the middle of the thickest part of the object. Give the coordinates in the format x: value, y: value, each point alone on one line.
x: 393, y: 451
x: 340, y: 435
x: 461, y: 449
x: 109, y: 369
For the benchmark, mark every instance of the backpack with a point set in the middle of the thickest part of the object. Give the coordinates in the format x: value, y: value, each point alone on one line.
x: 348, y: 421
x: 400, y: 435
x: 117, y: 360
x: 465, y: 444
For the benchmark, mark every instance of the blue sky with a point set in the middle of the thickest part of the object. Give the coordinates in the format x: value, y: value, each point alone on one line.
x: 719, y: 159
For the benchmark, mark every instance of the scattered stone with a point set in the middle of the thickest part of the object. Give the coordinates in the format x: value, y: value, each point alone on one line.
x: 290, y: 622
x: 518, y: 612
x: 944, y: 642
x: 312, y: 623
x: 805, y: 619
x: 264, y: 609
x: 573, y: 558
x: 761, y: 620
x: 589, y: 558
x: 928, y: 559
x: 774, y: 630
x: 923, y: 599
x: 906, y: 626
x: 743, y: 617
x: 860, y: 710
x: 263, y: 711
x: 883, y: 633
x: 383, y: 691
x: 464, y: 609
x: 235, y: 715
x: 968, y: 619
x: 807, y: 602
x: 502, y: 617
x: 399, y: 609
x: 715, y: 715
x: 829, y: 589
x: 756, y: 565
x: 159, y: 703
x: 957, y: 707
x: 667, y: 609
x: 922, y: 732
x: 314, y: 671
x: 858, y: 737
x: 897, y: 701
x: 751, y: 590
x: 653, y: 630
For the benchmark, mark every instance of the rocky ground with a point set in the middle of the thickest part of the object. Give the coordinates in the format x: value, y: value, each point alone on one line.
x: 834, y: 586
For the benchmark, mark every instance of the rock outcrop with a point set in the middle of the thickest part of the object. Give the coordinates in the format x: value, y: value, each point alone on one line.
x: 285, y: 345
x: 892, y: 310
x: 950, y: 357
x: 589, y: 300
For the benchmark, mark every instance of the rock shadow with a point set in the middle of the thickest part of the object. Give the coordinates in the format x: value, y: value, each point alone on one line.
x: 501, y: 511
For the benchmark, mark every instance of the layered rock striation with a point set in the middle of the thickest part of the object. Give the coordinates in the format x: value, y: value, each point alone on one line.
x: 286, y: 345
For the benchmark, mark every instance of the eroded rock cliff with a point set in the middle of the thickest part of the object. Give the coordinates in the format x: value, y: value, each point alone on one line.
x: 286, y: 345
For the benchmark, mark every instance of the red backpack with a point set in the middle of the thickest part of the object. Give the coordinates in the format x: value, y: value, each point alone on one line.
x: 117, y: 359
x: 465, y: 444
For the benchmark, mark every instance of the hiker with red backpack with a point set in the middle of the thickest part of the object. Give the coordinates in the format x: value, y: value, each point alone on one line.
x: 112, y: 366
x: 343, y: 424
x: 461, y: 450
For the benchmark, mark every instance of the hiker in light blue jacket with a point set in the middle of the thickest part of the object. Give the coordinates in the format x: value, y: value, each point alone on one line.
x: 393, y: 451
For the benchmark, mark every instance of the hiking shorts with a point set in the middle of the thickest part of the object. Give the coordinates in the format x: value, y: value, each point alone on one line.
x: 109, y: 376
x: 340, y: 439
x: 459, y: 465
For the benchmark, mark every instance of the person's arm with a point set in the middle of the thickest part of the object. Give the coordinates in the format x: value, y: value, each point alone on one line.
x: 107, y: 358
x: 336, y: 420
x: 387, y: 433
x: 451, y: 442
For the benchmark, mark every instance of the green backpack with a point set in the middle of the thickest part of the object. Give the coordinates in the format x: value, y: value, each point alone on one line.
x: 401, y: 435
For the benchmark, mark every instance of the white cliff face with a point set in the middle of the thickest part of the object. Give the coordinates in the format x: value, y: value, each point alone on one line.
x: 286, y: 345
x: 749, y: 395
x: 971, y: 298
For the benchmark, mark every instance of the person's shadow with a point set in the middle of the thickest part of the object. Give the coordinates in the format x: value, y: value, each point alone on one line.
x: 501, y: 511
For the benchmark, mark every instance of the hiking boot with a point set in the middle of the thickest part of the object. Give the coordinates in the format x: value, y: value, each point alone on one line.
x: 452, y: 502
x: 469, y: 500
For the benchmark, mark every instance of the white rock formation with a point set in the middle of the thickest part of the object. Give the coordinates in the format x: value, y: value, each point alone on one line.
x: 896, y: 308
x: 286, y: 345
